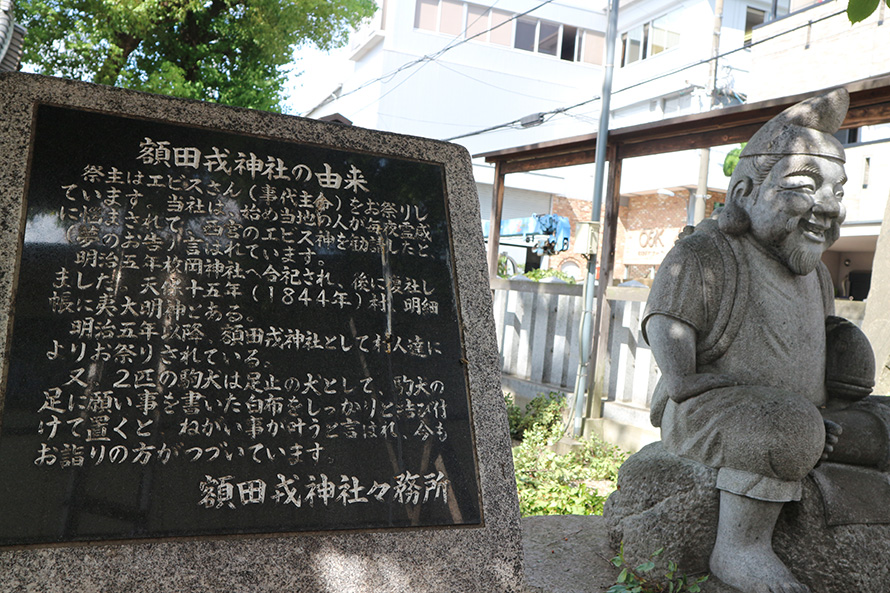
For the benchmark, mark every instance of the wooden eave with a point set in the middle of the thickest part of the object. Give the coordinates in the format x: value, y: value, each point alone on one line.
x: 869, y: 104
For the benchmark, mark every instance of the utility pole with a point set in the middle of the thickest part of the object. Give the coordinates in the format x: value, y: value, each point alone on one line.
x: 696, y: 211
x: 582, y: 379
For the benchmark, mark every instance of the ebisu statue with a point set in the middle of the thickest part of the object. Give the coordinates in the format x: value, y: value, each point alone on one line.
x: 760, y: 380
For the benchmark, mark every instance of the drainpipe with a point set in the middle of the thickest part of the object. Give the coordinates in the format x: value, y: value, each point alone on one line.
x: 602, y: 139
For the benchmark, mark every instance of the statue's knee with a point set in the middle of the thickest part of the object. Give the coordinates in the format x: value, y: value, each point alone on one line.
x: 799, y: 441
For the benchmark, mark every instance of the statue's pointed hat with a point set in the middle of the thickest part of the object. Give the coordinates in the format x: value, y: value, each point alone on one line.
x: 807, y: 127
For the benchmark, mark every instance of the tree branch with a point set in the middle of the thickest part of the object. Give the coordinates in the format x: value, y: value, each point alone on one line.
x: 114, y: 63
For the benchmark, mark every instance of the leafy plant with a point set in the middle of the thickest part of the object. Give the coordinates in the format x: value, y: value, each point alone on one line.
x: 732, y: 159
x: 537, y: 275
x: 644, y: 578
x: 859, y: 10
x: 506, y: 266
x: 544, y: 411
x: 549, y: 483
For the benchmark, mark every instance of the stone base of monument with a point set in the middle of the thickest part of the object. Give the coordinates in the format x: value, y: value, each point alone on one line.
x: 665, y: 501
x: 567, y: 554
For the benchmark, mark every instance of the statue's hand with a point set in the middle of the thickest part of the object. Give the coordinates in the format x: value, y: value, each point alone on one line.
x: 689, y: 386
x: 832, y: 431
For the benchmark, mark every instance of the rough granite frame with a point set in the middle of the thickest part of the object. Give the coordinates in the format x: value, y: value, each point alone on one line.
x: 484, y: 558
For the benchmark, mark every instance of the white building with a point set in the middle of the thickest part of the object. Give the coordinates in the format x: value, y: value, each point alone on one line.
x: 484, y: 73
x: 447, y: 68
x: 816, y: 47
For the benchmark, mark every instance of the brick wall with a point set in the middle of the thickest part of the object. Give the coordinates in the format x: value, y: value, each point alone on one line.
x: 574, y: 210
x: 637, y: 213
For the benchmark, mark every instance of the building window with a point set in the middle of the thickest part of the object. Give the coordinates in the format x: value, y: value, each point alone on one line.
x: 477, y: 20
x: 501, y: 29
x: 665, y: 33
x: 426, y: 15
x: 847, y: 136
x: 753, y: 17
x: 873, y: 133
x: 650, y: 39
x: 592, y: 47
x: 541, y: 37
x: 562, y: 41
x: 525, y: 34
x: 548, y: 39
x: 451, y: 19
x: 489, y: 25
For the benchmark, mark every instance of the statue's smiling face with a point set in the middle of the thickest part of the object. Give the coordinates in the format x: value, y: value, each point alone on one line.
x: 797, y: 211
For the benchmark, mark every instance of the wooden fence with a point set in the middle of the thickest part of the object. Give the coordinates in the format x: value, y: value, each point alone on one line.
x: 537, y: 325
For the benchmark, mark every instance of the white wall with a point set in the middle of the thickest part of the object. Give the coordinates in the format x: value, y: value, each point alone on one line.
x: 672, y: 169
x: 837, y: 52
x: 478, y: 85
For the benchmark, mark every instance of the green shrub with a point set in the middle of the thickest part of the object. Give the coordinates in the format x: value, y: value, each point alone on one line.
x: 506, y: 266
x: 544, y: 412
x: 644, y: 578
x: 538, y: 274
x: 548, y: 483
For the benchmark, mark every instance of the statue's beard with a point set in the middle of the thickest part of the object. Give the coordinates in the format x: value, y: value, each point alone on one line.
x: 800, y: 254
x: 802, y: 260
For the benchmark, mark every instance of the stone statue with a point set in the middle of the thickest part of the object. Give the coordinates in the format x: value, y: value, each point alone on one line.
x: 760, y: 380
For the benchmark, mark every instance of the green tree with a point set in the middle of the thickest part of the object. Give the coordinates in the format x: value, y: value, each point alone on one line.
x: 732, y: 159
x: 226, y: 51
x: 859, y: 10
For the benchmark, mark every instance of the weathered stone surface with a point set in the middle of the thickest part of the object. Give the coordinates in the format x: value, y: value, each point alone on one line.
x: 567, y: 554
x: 761, y: 381
x: 664, y: 501
x: 484, y: 558
x: 670, y: 502
x: 876, y: 324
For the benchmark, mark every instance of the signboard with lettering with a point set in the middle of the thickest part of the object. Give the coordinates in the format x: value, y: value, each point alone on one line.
x: 217, y: 333
x: 649, y: 246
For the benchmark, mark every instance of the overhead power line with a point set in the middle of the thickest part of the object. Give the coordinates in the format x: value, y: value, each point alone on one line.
x: 431, y: 57
x: 547, y: 115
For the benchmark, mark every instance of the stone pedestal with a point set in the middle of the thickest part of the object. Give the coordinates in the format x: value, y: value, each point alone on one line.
x: 665, y: 501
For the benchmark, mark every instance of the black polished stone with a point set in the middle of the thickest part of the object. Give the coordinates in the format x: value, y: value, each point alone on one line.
x: 211, y: 345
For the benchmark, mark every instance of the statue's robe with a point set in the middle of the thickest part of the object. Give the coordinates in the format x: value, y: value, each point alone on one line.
x: 763, y: 326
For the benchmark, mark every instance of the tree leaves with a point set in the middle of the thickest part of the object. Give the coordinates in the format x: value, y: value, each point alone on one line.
x: 227, y: 51
x: 859, y: 10
x: 732, y: 159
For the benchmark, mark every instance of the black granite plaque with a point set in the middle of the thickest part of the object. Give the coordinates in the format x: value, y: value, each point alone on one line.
x: 225, y: 334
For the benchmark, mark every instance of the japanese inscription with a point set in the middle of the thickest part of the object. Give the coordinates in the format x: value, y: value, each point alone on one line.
x: 217, y: 333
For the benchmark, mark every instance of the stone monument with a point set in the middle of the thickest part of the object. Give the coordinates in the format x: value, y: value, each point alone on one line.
x: 244, y: 352
x: 876, y: 323
x: 768, y: 427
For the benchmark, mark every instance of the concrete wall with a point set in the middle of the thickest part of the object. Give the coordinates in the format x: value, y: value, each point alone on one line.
x: 828, y: 52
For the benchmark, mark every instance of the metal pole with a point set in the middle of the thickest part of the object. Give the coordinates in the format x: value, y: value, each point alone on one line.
x: 697, y: 212
x: 602, y: 139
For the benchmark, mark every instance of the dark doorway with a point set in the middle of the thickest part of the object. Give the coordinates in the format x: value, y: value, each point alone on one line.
x: 860, y: 282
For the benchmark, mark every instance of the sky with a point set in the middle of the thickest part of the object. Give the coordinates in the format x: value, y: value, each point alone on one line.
x: 315, y: 75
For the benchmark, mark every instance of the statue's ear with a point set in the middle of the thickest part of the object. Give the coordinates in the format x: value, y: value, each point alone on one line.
x: 734, y: 219
x: 741, y: 190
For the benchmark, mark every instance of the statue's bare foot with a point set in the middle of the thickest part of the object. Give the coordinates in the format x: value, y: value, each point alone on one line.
x: 753, y: 569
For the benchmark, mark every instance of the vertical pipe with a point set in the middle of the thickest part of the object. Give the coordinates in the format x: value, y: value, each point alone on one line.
x: 697, y: 211
x: 602, y: 139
